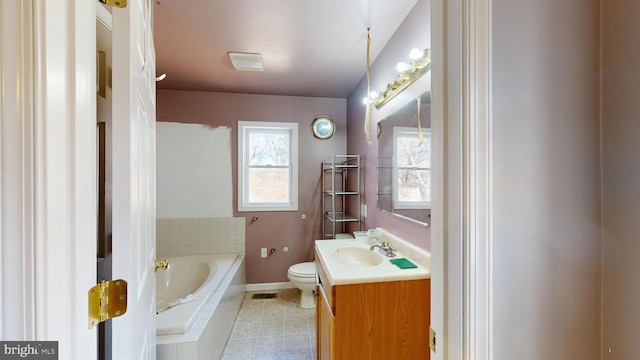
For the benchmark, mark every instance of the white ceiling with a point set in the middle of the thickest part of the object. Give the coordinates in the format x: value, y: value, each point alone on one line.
x: 309, y: 48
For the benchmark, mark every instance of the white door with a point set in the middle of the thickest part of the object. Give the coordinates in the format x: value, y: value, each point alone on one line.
x: 134, y: 171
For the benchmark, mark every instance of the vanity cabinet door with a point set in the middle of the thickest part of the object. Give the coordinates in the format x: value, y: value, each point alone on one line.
x: 371, y: 321
x: 324, y: 327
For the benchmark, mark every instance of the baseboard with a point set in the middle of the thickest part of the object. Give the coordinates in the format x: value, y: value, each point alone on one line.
x: 270, y: 286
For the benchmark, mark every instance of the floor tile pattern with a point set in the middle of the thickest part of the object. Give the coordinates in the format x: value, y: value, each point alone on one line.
x: 273, y: 329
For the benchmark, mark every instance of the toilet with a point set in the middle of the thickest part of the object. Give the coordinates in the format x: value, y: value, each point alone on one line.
x: 303, y: 276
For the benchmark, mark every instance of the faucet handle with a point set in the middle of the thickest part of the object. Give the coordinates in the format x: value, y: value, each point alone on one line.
x: 390, y: 249
x: 164, y: 264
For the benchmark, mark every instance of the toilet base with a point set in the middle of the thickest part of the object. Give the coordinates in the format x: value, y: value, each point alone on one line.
x: 307, y: 299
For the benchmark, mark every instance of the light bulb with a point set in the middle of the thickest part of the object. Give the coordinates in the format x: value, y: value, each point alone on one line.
x: 415, y: 54
x: 402, y: 66
x: 365, y: 100
x: 373, y: 95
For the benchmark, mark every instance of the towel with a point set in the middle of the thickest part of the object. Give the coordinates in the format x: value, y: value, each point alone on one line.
x: 180, y: 301
x: 184, y: 300
x: 403, y: 263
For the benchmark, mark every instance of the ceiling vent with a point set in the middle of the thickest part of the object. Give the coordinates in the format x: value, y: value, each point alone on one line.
x: 246, y: 61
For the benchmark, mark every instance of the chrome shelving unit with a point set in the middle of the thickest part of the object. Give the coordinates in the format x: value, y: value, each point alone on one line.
x: 340, y: 195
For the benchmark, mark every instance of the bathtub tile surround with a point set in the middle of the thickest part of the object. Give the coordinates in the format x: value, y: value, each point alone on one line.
x: 193, y: 236
x: 272, y: 329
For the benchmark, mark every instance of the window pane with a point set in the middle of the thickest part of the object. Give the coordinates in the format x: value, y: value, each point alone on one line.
x: 412, y: 154
x: 268, y: 185
x: 414, y: 186
x: 268, y: 147
x: 267, y: 171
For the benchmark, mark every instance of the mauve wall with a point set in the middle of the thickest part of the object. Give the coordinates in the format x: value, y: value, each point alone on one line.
x: 621, y: 178
x: 414, y: 32
x: 546, y: 180
x: 272, y: 229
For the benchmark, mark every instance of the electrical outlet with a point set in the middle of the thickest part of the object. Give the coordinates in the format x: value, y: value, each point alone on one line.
x: 263, y: 252
x: 363, y: 209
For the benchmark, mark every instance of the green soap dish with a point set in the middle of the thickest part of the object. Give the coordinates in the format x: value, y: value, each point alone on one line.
x: 403, y: 263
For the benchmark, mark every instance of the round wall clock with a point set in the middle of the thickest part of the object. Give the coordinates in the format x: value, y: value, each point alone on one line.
x: 323, y: 127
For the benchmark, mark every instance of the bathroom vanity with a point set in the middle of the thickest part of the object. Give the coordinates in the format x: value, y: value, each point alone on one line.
x: 367, y: 307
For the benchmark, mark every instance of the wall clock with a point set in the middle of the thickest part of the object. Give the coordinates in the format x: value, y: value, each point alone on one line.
x: 323, y: 127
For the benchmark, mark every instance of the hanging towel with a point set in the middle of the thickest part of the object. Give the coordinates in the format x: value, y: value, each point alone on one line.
x: 184, y: 300
x: 180, y: 301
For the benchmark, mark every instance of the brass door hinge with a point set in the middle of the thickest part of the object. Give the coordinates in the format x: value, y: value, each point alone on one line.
x: 108, y: 299
x: 116, y: 3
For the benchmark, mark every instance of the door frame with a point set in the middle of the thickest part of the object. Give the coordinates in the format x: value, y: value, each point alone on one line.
x: 55, y: 137
x: 48, y: 179
x: 462, y: 232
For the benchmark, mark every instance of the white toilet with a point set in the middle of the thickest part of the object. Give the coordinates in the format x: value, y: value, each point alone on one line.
x: 303, y: 276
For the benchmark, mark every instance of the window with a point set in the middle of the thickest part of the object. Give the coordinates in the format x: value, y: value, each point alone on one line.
x: 267, y: 166
x: 411, y: 169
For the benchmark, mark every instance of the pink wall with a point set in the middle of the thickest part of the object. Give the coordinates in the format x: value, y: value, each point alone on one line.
x: 621, y: 178
x: 413, y: 32
x: 546, y: 266
x: 272, y: 229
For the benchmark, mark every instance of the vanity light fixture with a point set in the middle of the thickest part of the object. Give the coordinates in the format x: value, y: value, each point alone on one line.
x: 409, y: 73
x: 246, y: 61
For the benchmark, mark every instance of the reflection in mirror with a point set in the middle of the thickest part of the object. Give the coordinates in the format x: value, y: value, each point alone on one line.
x: 404, y: 161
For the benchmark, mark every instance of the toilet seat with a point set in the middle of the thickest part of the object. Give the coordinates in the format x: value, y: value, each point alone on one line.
x: 303, y: 270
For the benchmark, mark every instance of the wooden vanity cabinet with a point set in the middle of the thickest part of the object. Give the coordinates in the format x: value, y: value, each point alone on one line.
x: 382, y: 320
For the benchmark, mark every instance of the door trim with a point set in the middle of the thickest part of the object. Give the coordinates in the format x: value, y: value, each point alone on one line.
x: 477, y: 124
x: 17, y: 134
x: 461, y: 232
x: 48, y: 173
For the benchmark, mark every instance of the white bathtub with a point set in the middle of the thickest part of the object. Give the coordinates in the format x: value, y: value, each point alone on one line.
x: 199, y: 329
x: 199, y: 275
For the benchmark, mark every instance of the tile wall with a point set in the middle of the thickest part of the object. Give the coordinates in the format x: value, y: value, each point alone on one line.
x: 200, y: 236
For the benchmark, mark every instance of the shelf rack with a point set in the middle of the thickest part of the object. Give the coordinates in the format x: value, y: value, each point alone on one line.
x: 340, y: 189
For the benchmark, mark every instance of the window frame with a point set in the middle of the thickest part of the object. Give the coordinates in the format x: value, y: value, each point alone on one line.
x: 244, y: 129
x: 408, y: 205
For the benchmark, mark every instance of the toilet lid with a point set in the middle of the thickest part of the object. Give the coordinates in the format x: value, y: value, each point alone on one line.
x: 305, y: 269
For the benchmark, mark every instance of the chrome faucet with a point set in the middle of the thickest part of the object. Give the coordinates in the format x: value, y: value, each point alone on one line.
x: 384, y: 249
x: 164, y: 264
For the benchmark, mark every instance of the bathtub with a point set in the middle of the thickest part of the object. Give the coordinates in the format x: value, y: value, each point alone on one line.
x: 217, y: 282
x: 196, y: 275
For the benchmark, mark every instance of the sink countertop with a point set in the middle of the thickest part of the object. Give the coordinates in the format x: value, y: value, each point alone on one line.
x: 340, y: 273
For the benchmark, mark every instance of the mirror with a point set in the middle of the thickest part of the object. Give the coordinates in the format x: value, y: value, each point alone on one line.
x: 323, y: 127
x: 404, y: 162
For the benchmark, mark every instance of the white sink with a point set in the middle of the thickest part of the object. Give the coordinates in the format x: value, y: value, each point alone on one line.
x: 348, y: 261
x: 359, y: 256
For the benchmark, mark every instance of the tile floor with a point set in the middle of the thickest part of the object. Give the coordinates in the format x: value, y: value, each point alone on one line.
x: 273, y: 329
